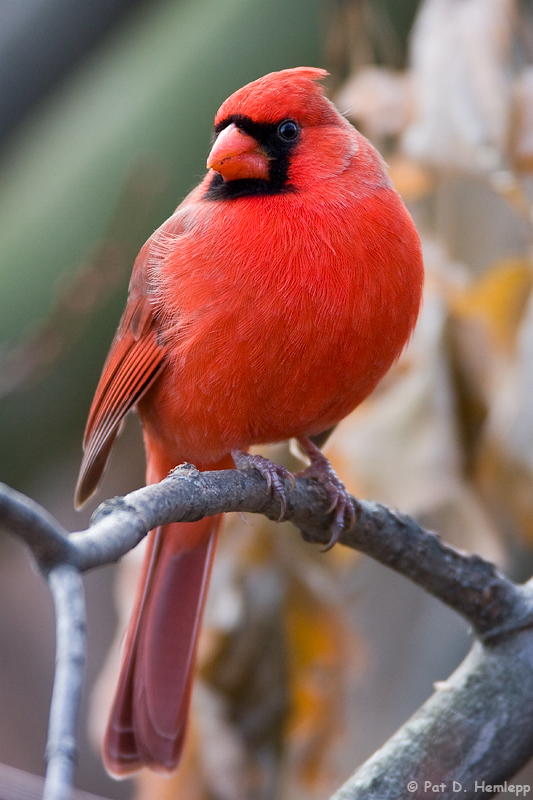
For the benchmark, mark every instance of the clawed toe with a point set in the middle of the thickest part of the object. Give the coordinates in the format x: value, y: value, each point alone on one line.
x: 341, y: 503
x: 274, y: 474
x: 340, y: 500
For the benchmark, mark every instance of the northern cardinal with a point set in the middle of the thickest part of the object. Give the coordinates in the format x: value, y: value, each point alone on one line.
x: 267, y: 307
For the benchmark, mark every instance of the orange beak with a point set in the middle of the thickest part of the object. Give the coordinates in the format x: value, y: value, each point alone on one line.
x: 236, y: 155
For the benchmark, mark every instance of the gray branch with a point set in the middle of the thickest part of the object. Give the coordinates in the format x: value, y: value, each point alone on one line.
x: 69, y: 602
x: 476, y: 730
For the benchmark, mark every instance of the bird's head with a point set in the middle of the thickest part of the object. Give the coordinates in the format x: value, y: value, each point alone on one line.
x: 275, y: 134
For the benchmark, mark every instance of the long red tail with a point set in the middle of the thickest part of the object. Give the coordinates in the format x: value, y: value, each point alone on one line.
x: 149, y: 714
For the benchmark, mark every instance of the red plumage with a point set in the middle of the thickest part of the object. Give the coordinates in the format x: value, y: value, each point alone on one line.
x: 267, y: 307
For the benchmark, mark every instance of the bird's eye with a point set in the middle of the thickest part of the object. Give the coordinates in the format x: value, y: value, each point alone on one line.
x: 288, y: 130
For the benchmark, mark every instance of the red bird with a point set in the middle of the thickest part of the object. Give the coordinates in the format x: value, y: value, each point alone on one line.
x: 267, y: 307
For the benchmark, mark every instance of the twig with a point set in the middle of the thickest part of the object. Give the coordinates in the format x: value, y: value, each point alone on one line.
x: 61, y: 751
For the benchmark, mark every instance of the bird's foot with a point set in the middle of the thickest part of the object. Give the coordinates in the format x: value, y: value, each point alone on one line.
x: 341, y: 502
x: 274, y: 474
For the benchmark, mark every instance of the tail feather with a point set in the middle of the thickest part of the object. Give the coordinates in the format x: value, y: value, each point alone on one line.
x: 149, y: 714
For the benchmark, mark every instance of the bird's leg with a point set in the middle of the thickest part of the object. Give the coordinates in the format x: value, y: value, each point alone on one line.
x: 274, y: 474
x: 341, y: 502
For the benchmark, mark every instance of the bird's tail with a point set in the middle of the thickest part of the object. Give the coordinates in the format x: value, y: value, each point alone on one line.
x: 149, y: 713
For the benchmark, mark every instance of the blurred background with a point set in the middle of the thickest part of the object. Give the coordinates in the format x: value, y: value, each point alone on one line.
x: 308, y: 661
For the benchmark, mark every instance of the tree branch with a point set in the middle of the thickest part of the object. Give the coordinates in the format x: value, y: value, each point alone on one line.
x: 476, y: 730
x: 478, y: 726
x: 61, y: 750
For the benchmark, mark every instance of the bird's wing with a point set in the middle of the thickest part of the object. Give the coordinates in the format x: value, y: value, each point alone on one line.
x: 135, y: 360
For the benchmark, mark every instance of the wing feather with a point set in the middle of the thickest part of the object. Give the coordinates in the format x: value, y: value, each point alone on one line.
x: 135, y: 361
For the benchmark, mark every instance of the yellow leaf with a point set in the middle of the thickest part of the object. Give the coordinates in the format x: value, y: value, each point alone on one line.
x: 497, y: 299
x: 506, y: 485
x: 319, y: 641
x: 410, y: 179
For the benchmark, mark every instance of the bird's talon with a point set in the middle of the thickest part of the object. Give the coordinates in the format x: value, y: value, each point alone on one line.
x: 335, y: 496
x: 332, y: 542
x: 283, y: 511
x: 274, y: 475
x: 340, y: 501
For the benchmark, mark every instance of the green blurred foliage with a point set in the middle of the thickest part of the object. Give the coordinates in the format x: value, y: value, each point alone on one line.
x: 149, y: 92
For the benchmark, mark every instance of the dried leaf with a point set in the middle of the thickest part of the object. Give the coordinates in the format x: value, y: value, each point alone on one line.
x: 377, y: 99
x: 511, y: 419
x: 521, y: 134
x: 506, y: 485
x: 497, y: 300
x: 323, y: 649
x: 411, y: 180
x: 492, y: 330
x: 460, y: 62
